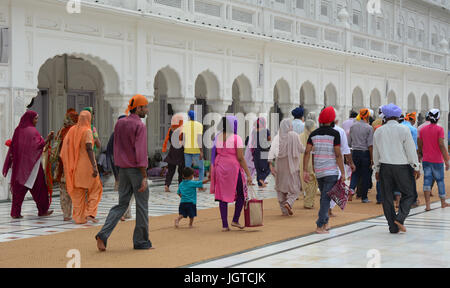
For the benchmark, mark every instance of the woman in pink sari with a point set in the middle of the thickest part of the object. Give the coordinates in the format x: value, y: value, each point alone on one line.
x: 23, y: 158
x: 229, y: 172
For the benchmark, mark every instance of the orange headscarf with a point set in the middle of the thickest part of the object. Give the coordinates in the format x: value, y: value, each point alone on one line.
x: 137, y: 101
x: 364, y: 113
x: 70, y: 150
x: 411, y: 116
x: 177, y: 122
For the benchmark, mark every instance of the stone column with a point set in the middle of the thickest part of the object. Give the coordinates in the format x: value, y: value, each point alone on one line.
x: 180, y: 105
x: 287, y: 108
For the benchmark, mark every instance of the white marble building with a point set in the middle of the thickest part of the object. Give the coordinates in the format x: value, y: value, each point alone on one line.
x: 229, y: 55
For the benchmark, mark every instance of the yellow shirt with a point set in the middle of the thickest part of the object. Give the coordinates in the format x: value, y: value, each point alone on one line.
x: 191, y: 131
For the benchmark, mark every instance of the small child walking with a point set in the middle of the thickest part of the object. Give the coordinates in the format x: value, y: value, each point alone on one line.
x: 188, y: 194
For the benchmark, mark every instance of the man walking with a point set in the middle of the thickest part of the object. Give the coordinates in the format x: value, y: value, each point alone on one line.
x: 361, y: 141
x: 193, y: 147
x: 130, y: 155
x: 396, y: 165
x: 328, y: 163
x: 432, y: 146
x: 299, y: 120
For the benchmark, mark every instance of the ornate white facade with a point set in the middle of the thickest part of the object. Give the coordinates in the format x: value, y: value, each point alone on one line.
x: 235, y: 56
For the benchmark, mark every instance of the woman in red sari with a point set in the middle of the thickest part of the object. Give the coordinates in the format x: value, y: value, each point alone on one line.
x: 24, y: 157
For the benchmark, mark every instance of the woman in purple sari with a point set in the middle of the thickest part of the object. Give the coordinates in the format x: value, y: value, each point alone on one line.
x: 24, y: 158
x: 229, y: 172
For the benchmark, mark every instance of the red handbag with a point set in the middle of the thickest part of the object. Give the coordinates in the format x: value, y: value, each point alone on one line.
x: 340, y: 193
x: 253, y: 211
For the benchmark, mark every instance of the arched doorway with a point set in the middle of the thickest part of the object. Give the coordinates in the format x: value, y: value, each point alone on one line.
x: 375, y: 99
x: 68, y: 81
x: 357, y: 99
x: 424, y: 108
x: 281, y: 94
x: 411, y: 102
x: 307, y: 98
x: 392, y: 98
x: 206, y: 88
x: 437, y: 102
x: 160, y: 111
x: 241, y: 91
x: 330, y: 95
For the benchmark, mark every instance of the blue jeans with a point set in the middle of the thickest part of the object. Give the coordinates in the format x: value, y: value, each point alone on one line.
x: 190, y: 159
x: 434, y: 171
x: 325, y: 185
x: 362, y: 163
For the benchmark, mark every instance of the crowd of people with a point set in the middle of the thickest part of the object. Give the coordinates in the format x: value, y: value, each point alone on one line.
x: 303, y: 158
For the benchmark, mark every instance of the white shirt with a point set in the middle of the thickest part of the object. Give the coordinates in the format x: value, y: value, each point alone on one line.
x: 394, y: 145
x: 345, y: 149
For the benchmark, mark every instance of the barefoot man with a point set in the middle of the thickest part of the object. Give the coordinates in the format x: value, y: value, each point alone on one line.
x: 130, y: 155
x: 396, y: 164
x: 328, y: 163
x: 434, y: 151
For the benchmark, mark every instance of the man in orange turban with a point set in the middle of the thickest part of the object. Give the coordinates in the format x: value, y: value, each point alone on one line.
x: 361, y: 141
x: 138, y: 100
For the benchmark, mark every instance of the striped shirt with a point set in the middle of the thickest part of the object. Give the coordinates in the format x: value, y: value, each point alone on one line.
x: 323, y: 141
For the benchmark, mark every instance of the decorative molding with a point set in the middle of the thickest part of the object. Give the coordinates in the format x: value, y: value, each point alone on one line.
x: 169, y: 42
x: 50, y: 24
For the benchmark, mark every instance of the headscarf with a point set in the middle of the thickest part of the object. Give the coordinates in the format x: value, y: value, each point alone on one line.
x: 136, y: 101
x: 434, y: 115
x: 411, y: 116
x: 364, y: 113
x: 391, y: 111
x: 70, y: 120
x: 26, y: 149
x: 232, y: 121
x: 328, y: 115
x: 70, y: 150
x: 289, y: 145
x: 260, y: 124
x: 177, y: 122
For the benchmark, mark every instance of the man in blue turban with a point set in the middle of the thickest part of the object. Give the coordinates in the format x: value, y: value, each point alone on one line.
x: 299, y: 121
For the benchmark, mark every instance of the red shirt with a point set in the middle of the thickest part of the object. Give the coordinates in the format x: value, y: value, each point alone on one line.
x: 130, y: 143
x: 430, y: 135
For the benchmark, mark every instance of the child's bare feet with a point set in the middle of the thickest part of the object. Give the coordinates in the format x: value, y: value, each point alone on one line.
x: 225, y: 229
x: 166, y: 189
x: 177, y: 223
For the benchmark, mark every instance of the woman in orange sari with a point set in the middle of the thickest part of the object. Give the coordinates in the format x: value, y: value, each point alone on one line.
x: 80, y: 170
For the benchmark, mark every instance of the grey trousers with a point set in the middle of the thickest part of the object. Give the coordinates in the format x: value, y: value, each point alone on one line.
x: 130, y: 180
x: 402, y: 178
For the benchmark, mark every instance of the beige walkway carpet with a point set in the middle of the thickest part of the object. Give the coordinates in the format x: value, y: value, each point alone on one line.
x: 178, y: 247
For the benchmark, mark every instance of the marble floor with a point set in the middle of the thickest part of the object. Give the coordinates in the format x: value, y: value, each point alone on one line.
x: 160, y: 203
x: 364, y: 244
